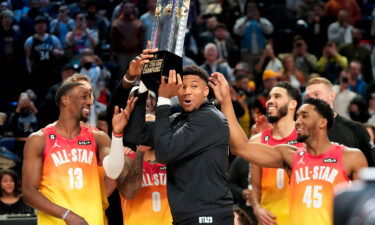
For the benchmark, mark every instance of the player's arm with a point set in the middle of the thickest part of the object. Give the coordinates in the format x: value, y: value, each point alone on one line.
x: 256, y: 153
x: 129, y: 184
x: 111, y: 152
x: 263, y: 216
x: 354, y: 160
x: 31, y: 178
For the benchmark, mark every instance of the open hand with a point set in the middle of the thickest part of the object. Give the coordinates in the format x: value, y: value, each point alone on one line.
x: 121, y: 116
x: 136, y: 65
x: 220, y: 87
x: 170, y: 89
x: 264, y: 216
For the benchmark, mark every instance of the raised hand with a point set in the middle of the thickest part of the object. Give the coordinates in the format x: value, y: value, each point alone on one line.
x: 170, y: 89
x: 220, y: 87
x: 262, y: 124
x: 121, y: 116
x: 136, y: 65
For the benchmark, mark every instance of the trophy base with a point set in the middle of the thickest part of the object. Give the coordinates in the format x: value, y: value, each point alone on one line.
x: 159, y: 65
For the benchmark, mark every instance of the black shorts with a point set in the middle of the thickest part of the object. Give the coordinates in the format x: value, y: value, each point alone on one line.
x: 215, y: 219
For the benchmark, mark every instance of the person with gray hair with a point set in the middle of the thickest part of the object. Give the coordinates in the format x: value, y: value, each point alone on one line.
x: 212, y: 63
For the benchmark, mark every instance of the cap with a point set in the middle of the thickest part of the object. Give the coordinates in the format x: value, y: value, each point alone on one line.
x: 267, y: 74
x: 68, y: 66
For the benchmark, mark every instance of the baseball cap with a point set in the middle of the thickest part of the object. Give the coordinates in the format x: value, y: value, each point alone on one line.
x: 267, y: 74
x: 39, y: 19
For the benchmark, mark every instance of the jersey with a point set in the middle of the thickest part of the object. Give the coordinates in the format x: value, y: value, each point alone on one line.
x: 312, y: 185
x: 41, y: 50
x: 70, y: 176
x: 150, y: 204
x: 275, y: 181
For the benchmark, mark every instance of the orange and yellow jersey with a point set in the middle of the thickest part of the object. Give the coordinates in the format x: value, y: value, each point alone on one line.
x: 70, y: 176
x: 312, y: 185
x: 150, y: 204
x: 275, y: 181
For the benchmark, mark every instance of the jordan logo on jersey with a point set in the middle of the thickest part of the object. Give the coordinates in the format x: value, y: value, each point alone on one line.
x: 316, y: 173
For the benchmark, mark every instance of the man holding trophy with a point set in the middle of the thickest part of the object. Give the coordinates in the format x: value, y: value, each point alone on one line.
x: 193, y: 144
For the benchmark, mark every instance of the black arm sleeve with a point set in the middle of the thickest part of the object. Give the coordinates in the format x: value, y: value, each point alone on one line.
x: 137, y: 131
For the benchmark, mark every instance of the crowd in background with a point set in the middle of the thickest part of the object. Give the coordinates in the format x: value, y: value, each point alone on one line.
x: 253, y: 43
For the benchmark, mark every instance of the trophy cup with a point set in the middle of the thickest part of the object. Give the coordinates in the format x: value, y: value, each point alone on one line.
x: 168, y: 34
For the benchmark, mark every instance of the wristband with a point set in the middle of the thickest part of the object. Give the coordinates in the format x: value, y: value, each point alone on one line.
x: 128, y: 81
x: 116, y: 135
x: 65, y: 214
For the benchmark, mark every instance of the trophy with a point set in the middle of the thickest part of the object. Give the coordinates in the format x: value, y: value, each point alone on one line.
x: 168, y: 34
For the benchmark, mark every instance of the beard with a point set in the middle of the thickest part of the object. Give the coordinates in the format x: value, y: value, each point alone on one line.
x: 281, y: 112
x: 302, y: 138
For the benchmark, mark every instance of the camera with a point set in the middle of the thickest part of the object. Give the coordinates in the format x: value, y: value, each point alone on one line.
x: 356, y: 205
x: 345, y: 80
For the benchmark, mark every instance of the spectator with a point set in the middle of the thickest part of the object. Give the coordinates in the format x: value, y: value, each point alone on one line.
x: 355, y: 51
x: 305, y: 7
x: 12, y: 59
x: 253, y: 30
x: 11, y: 201
x: 290, y: 72
x: 317, y: 31
x: 305, y: 61
x: 356, y: 83
x: 331, y: 63
x: 62, y: 24
x: 227, y: 48
x: 78, y: 6
x: 42, y: 50
x: 358, y: 110
x: 148, y: 20
x: 354, y: 12
x: 207, y: 35
x: 343, y: 95
x: 81, y: 37
x: 371, y: 108
x: 340, y: 32
x: 212, y: 63
x: 127, y: 36
x: 96, y: 21
x: 24, y: 122
x: 268, y: 60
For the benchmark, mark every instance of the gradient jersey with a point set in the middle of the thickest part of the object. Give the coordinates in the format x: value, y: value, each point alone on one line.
x: 150, y: 204
x: 70, y: 176
x: 275, y: 181
x: 312, y: 186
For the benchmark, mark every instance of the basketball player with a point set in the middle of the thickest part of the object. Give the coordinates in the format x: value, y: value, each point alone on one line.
x: 270, y: 195
x: 145, y: 194
x: 60, y: 167
x: 315, y: 169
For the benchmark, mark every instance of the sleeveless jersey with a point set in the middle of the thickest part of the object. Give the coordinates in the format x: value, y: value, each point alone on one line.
x: 70, y: 176
x: 41, y: 50
x: 275, y: 181
x: 312, y: 186
x: 150, y: 204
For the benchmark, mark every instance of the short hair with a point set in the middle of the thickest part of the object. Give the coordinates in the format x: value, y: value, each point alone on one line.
x: 79, y: 12
x: 323, y: 108
x: 195, y: 70
x: 320, y: 80
x: 293, y: 92
x: 77, y: 77
x: 102, y: 115
x: 14, y: 176
x: 64, y: 89
x: 208, y: 46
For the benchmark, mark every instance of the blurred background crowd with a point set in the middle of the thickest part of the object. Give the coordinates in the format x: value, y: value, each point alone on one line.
x: 253, y: 43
